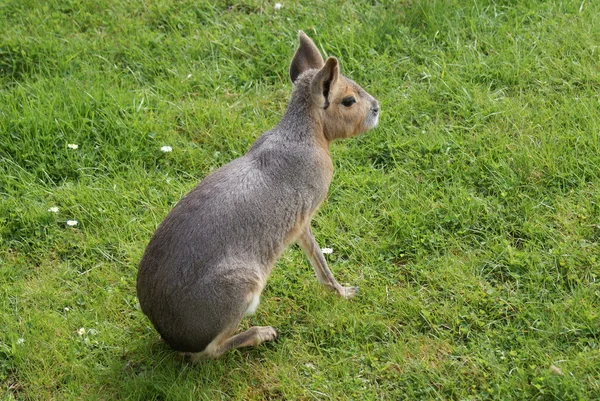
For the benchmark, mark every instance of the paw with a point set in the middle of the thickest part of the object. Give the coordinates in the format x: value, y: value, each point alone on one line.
x: 348, y: 292
x: 267, y: 333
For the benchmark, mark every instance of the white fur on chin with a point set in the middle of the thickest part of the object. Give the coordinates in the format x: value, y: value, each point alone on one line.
x: 371, y: 121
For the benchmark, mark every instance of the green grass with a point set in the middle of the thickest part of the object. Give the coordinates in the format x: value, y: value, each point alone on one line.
x: 470, y: 217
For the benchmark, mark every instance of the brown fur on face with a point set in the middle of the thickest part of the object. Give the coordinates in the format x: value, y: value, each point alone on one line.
x: 341, y: 121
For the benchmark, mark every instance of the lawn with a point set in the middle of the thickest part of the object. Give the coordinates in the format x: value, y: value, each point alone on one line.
x: 470, y: 217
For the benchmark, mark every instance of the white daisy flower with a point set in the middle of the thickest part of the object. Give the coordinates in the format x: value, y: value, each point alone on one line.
x: 71, y: 223
x: 53, y: 209
x: 327, y: 251
x: 278, y: 6
x: 72, y: 146
x: 166, y: 149
x: 21, y: 341
x: 81, y: 331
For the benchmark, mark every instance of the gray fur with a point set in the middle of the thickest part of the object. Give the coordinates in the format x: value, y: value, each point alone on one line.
x: 219, y: 243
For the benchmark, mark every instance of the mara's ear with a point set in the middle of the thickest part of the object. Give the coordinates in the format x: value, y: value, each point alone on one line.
x: 306, y: 57
x: 324, y: 82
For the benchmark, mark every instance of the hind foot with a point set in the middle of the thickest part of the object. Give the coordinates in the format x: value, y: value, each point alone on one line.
x: 250, y: 338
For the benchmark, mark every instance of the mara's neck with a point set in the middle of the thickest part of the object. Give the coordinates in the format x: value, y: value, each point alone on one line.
x: 301, y: 121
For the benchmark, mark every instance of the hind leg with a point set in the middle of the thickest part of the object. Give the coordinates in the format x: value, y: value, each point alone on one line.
x: 252, y: 337
x: 226, y: 341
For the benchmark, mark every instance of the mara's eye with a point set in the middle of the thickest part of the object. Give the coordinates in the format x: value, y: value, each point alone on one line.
x: 349, y: 101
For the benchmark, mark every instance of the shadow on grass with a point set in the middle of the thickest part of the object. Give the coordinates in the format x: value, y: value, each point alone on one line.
x: 153, y: 371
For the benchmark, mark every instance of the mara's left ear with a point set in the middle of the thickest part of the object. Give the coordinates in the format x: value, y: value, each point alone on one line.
x: 306, y: 57
x: 324, y: 82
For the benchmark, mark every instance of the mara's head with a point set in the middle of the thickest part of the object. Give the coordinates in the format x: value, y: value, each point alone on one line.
x: 340, y: 105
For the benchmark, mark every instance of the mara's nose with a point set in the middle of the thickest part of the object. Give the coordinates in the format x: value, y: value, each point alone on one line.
x: 375, y: 107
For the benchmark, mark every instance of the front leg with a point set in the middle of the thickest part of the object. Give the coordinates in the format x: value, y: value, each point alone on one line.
x: 308, y: 243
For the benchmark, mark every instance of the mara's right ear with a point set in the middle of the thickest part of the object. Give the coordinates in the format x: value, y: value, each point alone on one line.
x: 306, y: 57
x: 324, y: 84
